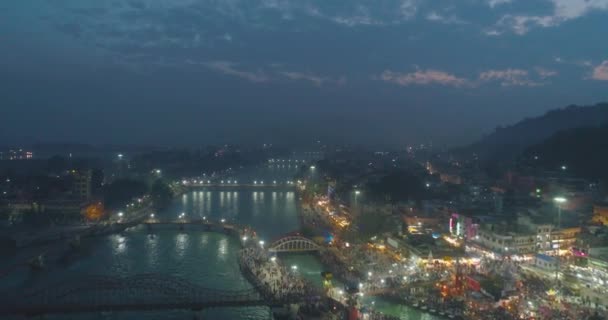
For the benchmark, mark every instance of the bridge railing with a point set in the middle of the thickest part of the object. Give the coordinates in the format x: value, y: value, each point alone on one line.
x: 140, y: 292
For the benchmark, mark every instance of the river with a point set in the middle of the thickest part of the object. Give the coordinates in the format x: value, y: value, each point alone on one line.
x: 207, y: 259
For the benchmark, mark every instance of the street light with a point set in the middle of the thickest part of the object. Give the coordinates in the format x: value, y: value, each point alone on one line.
x: 152, y: 215
x: 244, y: 238
x: 120, y: 214
x: 262, y: 243
x: 558, y: 201
x: 223, y: 220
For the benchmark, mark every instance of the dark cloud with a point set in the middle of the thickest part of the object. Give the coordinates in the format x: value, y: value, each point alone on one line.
x: 137, y: 4
x: 70, y: 29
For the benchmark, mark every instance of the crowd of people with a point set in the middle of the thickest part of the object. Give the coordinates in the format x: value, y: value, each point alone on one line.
x: 273, y: 279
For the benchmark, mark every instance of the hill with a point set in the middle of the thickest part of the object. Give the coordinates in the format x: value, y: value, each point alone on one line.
x: 583, y: 150
x: 508, y: 142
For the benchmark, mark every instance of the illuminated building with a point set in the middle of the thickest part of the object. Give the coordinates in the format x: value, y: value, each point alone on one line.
x: 600, y: 213
x: 81, y: 186
x: 462, y: 226
x: 16, y: 154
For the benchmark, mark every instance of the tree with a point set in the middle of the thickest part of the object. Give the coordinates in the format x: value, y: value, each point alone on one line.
x: 397, y: 186
x: 161, y: 194
x: 121, y: 192
x: 372, y: 223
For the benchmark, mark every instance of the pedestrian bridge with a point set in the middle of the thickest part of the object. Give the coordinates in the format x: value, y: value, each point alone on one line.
x: 135, y: 293
x: 293, y: 244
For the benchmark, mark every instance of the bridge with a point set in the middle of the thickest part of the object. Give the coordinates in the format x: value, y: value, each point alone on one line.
x: 293, y: 244
x: 135, y: 293
x: 236, y: 185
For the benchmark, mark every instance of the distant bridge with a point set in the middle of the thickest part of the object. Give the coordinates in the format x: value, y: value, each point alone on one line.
x: 234, y: 184
x: 140, y: 292
x: 293, y: 244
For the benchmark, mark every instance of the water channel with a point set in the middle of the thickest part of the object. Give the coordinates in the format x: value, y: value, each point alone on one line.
x: 207, y: 259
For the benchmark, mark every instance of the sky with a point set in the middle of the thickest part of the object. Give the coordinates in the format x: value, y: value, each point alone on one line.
x: 390, y: 72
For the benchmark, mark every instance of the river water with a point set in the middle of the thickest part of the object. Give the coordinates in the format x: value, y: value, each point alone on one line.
x: 207, y: 259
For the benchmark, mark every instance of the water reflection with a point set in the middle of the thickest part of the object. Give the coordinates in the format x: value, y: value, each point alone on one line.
x: 119, y: 243
x: 152, y: 249
x: 222, y: 248
x: 181, y: 244
x: 205, y: 239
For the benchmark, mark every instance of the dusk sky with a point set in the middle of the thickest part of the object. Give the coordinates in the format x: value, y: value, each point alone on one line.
x: 192, y: 72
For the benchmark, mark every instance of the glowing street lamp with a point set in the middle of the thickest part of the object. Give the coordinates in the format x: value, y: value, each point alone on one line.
x: 559, y: 201
x: 223, y: 220
x: 120, y: 214
x: 152, y: 215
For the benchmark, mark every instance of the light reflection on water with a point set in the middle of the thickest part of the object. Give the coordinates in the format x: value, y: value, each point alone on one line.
x: 222, y: 248
x: 207, y: 259
x: 181, y: 244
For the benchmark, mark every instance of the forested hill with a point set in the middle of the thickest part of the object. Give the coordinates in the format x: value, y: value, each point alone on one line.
x: 510, y: 141
x: 583, y: 151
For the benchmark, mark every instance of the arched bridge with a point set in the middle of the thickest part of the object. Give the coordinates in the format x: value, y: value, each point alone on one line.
x: 140, y: 292
x: 293, y: 244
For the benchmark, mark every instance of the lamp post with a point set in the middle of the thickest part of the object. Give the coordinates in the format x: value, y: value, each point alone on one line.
x: 558, y: 201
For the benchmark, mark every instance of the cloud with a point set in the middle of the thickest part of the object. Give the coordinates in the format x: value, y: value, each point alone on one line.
x: 408, y: 9
x: 600, y: 72
x: 436, y: 17
x: 423, y: 77
x: 563, y: 10
x: 317, y: 80
x: 229, y: 68
x: 496, y: 3
x: 508, y: 77
x: 505, y: 77
x: 545, y: 73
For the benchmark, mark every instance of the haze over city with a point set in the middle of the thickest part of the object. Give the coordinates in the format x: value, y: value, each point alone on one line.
x: 304, y: 159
